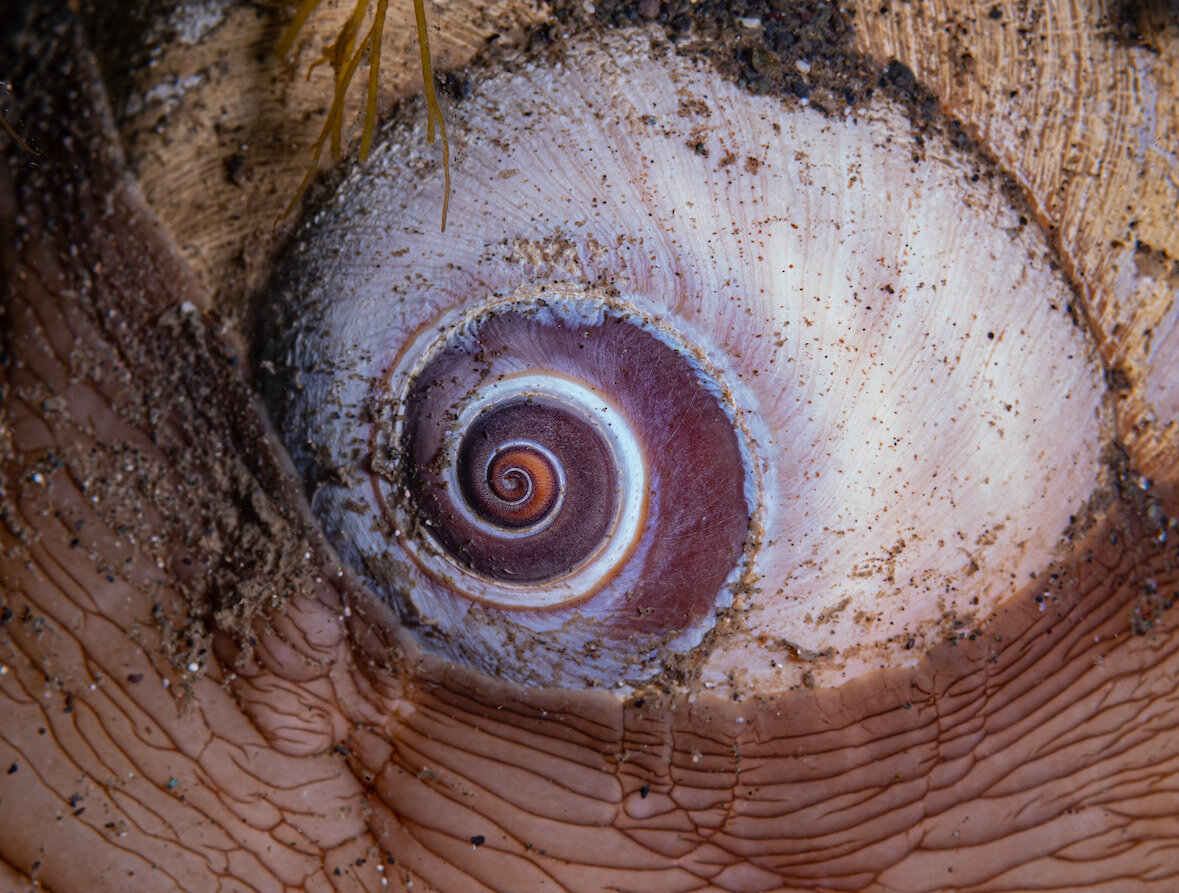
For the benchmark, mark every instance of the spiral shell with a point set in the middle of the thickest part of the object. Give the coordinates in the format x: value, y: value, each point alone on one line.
x: 833, y: 367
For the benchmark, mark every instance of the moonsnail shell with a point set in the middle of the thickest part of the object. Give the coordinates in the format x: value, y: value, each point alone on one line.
x: 786, y: 269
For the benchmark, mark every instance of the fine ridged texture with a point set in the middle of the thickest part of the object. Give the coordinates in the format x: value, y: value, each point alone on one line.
x: 1080, y: 102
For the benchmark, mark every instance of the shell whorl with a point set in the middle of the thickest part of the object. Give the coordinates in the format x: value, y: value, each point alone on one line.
x: 534, y: 444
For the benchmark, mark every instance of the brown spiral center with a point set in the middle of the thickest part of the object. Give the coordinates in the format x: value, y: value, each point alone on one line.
x: 526, y: 486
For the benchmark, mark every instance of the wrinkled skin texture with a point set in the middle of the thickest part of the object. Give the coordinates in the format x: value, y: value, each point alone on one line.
x: 195, y: 696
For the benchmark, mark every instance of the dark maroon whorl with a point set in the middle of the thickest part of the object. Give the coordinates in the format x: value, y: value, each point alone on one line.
x: 575, y: 527
x: 696, y: 508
